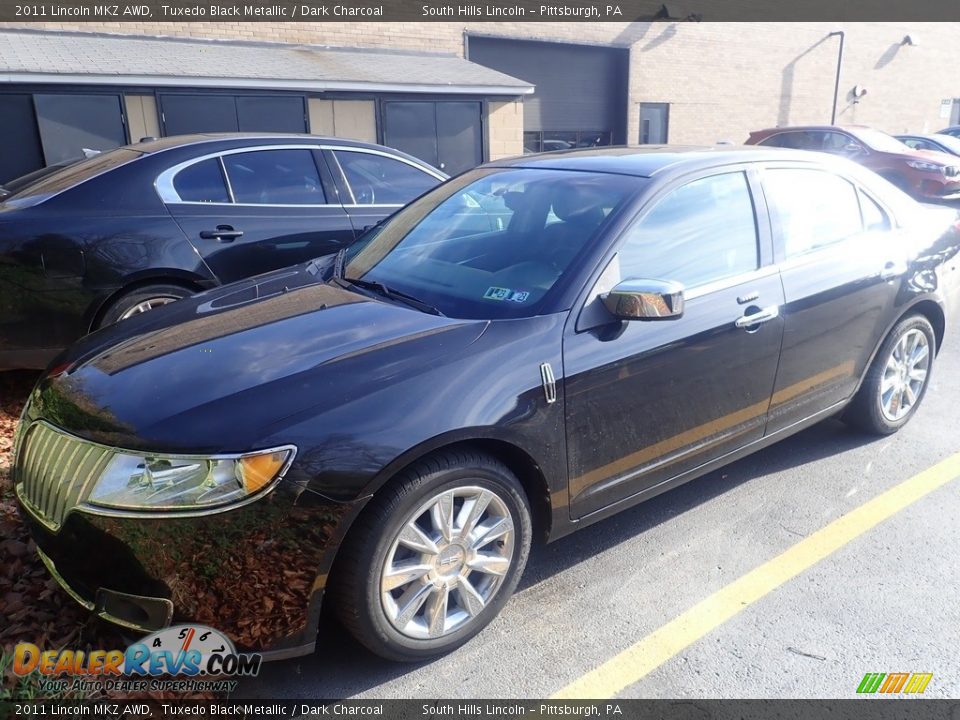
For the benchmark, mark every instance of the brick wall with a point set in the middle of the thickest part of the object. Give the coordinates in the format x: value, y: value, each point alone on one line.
x: 505, y: 129
x: 722, y: 80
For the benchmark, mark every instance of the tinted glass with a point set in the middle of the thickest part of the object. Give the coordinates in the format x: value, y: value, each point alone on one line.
x: 812, y: 208
x: 701, y: 232
x: 381, y: 180
x: 275, y: 177
x: 879, y: 140
x: 840, y: 144
x: 202, y: 182
x: 795, y: 140
x: 492, y: 243
x: 73, y: 174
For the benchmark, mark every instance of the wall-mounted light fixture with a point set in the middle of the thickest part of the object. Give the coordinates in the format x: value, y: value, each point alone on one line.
x: 911, y: 40
x: 858, y: 92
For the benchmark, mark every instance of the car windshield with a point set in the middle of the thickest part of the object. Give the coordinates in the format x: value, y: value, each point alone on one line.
x: 491, y: 243
x: 52, y: 183
x: 880, y: 140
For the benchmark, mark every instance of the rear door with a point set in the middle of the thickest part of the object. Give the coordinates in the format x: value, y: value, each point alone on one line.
x: 373, y: 184
x: 841, y: 260
x: 254, y: 210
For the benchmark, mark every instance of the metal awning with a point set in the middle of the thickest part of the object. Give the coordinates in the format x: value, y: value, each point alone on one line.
x: 31, y: 56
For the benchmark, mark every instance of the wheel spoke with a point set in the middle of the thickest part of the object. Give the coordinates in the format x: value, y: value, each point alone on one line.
x: 414, y: 538
x: 491, y: 530
x: 470, y: 599
x: 920, y: 354
x: 436, y: 613
x: 442, y: 516
x: 403, y: 573
x: 471, y: 512
x: 410, y: 603
x: 888, y: 383
x: 918, y: 374
x: 911, y: 395
x: 489, y: 564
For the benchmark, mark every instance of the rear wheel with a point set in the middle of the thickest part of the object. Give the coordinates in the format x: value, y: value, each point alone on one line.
x: 434, y: 558
x: 141, y: 300
x: 897, y: 380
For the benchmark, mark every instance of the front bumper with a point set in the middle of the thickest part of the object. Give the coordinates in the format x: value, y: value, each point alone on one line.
x: 256, y: 572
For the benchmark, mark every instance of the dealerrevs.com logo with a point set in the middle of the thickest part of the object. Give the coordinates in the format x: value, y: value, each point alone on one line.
x: 199, y: 656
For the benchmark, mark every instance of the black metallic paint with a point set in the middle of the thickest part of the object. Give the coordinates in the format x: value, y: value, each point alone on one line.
x: 364, y: 387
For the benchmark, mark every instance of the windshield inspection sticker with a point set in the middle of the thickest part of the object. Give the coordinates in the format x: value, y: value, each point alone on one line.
x: 499, y: 293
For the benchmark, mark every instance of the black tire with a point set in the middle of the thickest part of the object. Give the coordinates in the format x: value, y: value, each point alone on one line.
x: 356, y: 581
x: 866, y: 411
x: 125, y: 303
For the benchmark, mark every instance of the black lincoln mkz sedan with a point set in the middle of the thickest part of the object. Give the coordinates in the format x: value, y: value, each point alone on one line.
x: 128, y: 230
x: 387, y: 431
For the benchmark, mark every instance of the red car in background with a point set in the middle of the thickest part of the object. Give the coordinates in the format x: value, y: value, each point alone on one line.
x: 925, y: 175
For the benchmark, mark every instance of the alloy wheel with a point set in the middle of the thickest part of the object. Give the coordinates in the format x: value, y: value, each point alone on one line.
x: 147, y: 305
x: 448, y: 561
x: 904, y: 375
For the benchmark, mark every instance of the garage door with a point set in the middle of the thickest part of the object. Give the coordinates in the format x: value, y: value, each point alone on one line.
x: 21, y: 141
x: 581, y: 93
x: 445, y: 134
x: 71, y: 123
x: 195, y: 113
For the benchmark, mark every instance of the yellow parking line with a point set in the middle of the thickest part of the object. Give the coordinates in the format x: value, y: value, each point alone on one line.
x: 659, y: 646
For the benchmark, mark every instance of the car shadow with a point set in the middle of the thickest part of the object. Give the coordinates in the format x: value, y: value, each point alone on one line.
x: 341, y: 667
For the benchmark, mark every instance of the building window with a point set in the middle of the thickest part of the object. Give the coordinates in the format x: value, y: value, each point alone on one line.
x: 654, y: 123
x: 548, y: 140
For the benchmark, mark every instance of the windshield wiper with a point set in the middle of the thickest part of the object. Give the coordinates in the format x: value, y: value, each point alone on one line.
x: 391, y: 293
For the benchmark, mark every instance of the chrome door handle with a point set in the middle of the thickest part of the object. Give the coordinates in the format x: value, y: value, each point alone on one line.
x: 759, y: 317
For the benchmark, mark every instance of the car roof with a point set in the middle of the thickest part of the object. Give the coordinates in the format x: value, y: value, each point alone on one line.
x: 648, y: 160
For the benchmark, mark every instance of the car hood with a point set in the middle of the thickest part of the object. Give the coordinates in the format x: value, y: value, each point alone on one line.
x: 209, y: 373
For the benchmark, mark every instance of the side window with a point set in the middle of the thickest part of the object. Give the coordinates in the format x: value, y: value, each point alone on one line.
x: 202, y: 182
x: 812, y: 208
x: 792, y: 140
x: 275, y: 177
x: 381, y: 180
x: 874, y: 218
x: 840, y: 144
x: 701, y: 232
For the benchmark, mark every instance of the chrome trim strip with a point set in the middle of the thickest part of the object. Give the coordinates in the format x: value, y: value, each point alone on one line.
x: 226, y: 180
x: 729, y: 282
x: 52, y: 569
x: 549, y: 383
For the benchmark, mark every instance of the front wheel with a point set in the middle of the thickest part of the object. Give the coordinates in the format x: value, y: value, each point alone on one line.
x: 897, y: 380
x: 434, y: 557
x: 141, y: 300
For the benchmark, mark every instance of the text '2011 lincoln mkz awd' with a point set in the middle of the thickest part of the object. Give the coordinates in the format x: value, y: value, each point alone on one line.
x: 529, y: 348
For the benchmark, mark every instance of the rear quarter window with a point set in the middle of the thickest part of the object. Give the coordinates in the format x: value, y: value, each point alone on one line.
x: 71, y: 176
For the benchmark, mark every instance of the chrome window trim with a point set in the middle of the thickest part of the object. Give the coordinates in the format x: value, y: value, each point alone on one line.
x: 713, y: 286
x: 169, y: 196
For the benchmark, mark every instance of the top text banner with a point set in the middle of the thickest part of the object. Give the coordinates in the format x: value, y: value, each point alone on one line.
x: 464, y: 11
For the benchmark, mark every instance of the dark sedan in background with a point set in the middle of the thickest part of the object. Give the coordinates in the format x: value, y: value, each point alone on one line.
x: 140, y: 226
x: 925, y: 175
x: 936, y: 142
x: 387, y: 431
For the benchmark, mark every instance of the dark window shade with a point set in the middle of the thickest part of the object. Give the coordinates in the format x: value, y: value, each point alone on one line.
x: 72, y: 123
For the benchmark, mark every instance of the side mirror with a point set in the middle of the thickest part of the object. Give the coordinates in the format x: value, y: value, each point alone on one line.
x: 645, y: 300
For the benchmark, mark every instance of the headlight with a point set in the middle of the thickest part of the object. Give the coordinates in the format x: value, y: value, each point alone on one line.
x: 926, y: 166
x: 183, y: 482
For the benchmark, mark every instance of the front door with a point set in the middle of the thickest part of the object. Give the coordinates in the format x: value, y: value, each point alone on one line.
x: 254, y: 211
x: 446, y: 134
x: 647, y: 401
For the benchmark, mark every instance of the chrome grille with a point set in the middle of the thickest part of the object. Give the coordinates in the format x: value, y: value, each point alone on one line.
x: 54, y: 471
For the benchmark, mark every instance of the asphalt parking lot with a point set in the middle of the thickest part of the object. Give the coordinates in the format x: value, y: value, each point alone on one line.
x: 884, y: 601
